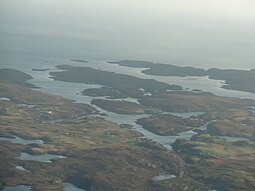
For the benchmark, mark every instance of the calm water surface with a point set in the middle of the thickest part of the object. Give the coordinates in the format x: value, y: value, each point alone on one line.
x: 200, y: 33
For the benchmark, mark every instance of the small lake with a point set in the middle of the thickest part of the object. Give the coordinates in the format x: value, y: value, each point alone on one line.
x: 18, y: 188
x: 163, y: 177
x: 40, y: 158
x: 70, y: 187
x: 20, y: 168
x: 233, y: 139
x: 5, y: 99
x: 18, y: 140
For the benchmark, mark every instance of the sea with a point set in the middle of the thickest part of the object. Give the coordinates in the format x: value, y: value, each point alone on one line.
x: 199, y: 33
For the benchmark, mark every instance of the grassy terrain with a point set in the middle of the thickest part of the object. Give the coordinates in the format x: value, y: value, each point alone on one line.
x: 216, y: 163
x: 100, y: 154
x: 164, y: 124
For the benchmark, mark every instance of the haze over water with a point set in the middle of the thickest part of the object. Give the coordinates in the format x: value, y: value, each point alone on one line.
x: 200, y: 33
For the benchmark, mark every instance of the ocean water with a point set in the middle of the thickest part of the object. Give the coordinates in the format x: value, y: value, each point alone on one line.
x: 199, y: 33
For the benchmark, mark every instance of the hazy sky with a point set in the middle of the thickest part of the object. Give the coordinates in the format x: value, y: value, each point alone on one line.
x: 209, y: 32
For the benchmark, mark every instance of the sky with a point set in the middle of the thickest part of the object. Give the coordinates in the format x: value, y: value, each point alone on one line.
x: 208, y: 32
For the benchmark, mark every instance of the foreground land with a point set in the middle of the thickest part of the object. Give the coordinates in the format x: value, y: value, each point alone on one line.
x: 98, y: 155
x: 15, y: 76
x: 228, y: 166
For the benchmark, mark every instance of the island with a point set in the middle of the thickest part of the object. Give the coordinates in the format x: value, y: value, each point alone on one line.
x: 242, y: 80
x: 126, y: 85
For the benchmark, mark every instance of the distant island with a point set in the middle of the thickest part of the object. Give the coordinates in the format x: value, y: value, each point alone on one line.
x: 241, y: 80
x: 40, y: 70
x: 78, y: 60
x: 124, y: 85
